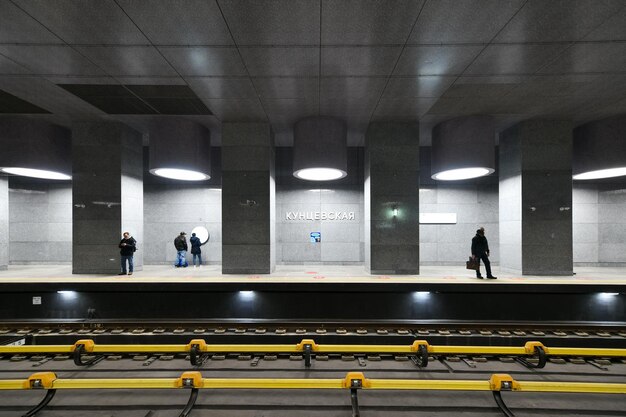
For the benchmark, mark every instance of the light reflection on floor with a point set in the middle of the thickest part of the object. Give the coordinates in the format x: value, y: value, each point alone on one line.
x: 308, y: 273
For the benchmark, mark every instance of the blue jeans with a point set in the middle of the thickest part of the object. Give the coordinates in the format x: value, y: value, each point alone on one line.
x: 123, y: 263
x: 199, y: 256
x: 181, y: 258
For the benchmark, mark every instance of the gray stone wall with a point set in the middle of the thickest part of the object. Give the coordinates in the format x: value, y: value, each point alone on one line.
x: 475, y: 205
x: 4, y: 222
x: 341, y: 240
x: 40, y: 222
x: 172, y: 208
x: 599, y: 224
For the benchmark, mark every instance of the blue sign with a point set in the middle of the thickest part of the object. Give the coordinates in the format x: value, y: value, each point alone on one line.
x: 316, y: 237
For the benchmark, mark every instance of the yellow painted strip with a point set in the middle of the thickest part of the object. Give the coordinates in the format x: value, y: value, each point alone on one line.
x: 269, y: 383
x: 478, y: 350
x: 129, y: 383
x: 364, y: 348
x: 434, y: 385
x: 12, y: 384
x: 37, y: 349
x: 557, y: 351
x: 252, y: 348
x: 572, y: 387
x: 139, y: 348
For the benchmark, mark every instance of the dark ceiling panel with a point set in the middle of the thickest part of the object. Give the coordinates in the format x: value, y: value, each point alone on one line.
x: 590, y: 57
x: 374, y: 22
x: 422, y: 86
x: 558, y: 20
x: 218, y: 87
x: 278, y: 22
x: 128, y: 60
x: 289, y: 111
x: 514, y: 59
x: 242, y: 110
x: 85, y: 21
x: 287, y: 87
x: 480, y: 87
x: 197, y: 61
x: 15, y: 105
x: 49, y: 59
x: 18, y: 27
x: 140, y: 99
x: 9, y: 67
x: 359, y: 61
x: 161, y: 21
x: 111, y: 99
x: 611, y: 29
x: 281, y: 61
x: 363, y: 88
x: 403, y: 108
x: 453, y: 21
x: 436, y: 60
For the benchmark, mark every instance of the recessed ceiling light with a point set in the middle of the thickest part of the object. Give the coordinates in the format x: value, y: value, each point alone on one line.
x: 179, y: 174
x: 462, y: 174
x: 36, y: 173
x: 601, y: 173
x: 320, y: 174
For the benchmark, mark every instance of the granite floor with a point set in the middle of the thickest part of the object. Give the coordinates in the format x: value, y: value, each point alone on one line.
x: 307, y: 273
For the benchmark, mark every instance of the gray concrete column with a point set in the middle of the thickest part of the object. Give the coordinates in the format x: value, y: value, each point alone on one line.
x: 107, y: 195
x: 392, y: 182
x: 4, y: 222
x: 248, y: 199
x: 536, y: 198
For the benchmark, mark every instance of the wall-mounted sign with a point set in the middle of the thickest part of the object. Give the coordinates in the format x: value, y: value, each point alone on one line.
x: 316, y: 237
x: 437, y: 218
x: 320, y: 215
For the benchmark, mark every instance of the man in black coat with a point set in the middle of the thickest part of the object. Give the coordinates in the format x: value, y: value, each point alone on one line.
x: 128, y: 246
x: 480, y: 251
x: 180, y: 243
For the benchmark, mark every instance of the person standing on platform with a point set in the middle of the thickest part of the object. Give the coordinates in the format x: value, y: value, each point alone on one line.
x: 180, y: 243
x: 128, y: 246
x: 196, y: 252
x: 480, y: 251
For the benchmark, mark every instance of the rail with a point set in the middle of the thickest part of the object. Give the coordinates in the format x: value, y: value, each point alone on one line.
x: 198, y: 349
x: 354, y: 381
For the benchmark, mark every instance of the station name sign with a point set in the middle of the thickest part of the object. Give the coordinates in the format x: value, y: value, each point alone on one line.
x: 319, y: 215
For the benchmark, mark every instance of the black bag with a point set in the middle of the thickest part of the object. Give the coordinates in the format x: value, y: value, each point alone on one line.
x: 472, y: 263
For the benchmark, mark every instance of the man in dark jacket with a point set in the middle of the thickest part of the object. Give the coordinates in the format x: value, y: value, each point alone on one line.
x: 480, y: 251
x: 128, y: 246
x: 196, y: 252
x: 180, y: 243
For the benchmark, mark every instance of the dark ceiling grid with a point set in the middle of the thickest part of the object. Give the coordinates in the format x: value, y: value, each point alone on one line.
x: 64, y: 42
x: 575, y: 44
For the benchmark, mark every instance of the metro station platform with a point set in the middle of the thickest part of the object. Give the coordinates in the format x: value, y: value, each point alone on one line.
x: 309, y: 274
x: 313, y: 293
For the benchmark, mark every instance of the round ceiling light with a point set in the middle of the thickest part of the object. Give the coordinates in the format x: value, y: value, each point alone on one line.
x: 463, y: 148
x: 179, y: 174
x: 320, y: 150
x: 37, y: 173
x: 601, y: 173
x: 462, y: 174
x: 599, y: 149
x: 180, y: 149
x: 35, y: 148
x: 319, y: 174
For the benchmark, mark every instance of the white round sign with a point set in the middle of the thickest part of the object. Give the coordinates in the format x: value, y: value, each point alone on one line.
x: 201, y: 233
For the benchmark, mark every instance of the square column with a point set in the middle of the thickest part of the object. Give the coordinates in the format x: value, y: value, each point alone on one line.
x: 536, y: 198
x: 4, y: 222
x: 107, y: 194
x: 248, y: 199
x: 392, y: 182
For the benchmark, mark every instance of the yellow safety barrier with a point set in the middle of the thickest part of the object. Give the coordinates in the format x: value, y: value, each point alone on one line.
x: 198, y: 347
x: 353, y: 381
